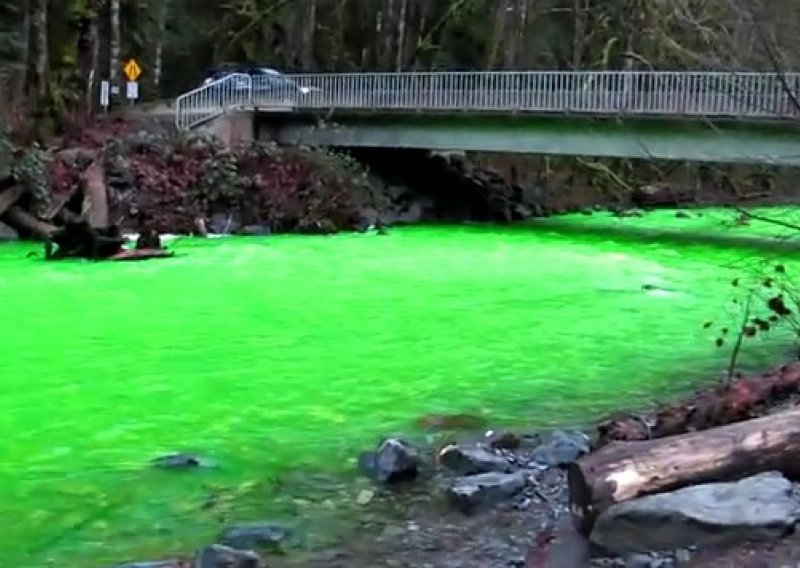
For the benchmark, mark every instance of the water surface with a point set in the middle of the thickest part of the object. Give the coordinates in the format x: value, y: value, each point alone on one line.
x: 295, y: 352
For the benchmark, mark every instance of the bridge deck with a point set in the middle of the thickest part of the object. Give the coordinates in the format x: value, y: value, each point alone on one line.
x: 748, y: 95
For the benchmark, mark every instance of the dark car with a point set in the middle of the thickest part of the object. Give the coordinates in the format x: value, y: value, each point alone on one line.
x: 264, y: 79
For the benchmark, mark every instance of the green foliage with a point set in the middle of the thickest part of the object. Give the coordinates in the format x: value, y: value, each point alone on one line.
x: 222, y: 182
x: 32, y: 167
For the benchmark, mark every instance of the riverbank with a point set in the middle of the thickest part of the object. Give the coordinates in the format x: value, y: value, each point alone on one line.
x: 496, y: 498
x: 141, y: 174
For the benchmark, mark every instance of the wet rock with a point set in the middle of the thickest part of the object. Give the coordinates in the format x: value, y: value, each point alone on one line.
x: 503, y: 440
x: 219, y: 556
x: 395, y: 460
x: 223, y: 223
x: 368, y: 218
x: 561, y: 547
x: 154, y: 564
x: 7, y: 233
x: 255, y: 536
x: 629, y: 213
x: 467, y: 494
x: 561, y: 448
x: 759, y: 507
x: 182, y: 460
x: 451, y: 422
x: 364, y: 497
x: 469, y: 460
x: 256, y: 231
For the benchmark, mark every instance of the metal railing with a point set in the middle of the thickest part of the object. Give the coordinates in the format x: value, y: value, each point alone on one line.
x: 212, y: 99
x: 645, y: 93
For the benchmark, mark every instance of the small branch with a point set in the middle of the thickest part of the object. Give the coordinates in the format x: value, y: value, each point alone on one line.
x: 738, y: 345
x: 777, y: 222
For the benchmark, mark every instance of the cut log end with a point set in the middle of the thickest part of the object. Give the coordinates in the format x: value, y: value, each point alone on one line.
x: 580, y: 500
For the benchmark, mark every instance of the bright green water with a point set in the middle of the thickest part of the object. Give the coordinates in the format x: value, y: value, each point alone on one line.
x: 299, y: 351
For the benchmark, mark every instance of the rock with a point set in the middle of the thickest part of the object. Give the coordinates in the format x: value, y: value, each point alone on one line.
x: 154, y: 564
x: 470, y: 493
x: 561, y: 448
x: 182, y: 461
x: 258, y: 231
x: 451, y: 422
x: 364, y: 497
x: 368, y: 218
x: 395, y: 460
x: 758, y: 507
x: 219, y: 556
x: 8, y: 233
x: 682, y: 215
x: 469, y: 460
x: 629, y: 213
x: 503, y: 440
x: 561, y: 547
x: 254, y: 536
x: 223, y: 223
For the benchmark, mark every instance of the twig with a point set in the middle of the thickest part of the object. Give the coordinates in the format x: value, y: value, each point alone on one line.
x: 738, y: 345
x: 755, y: 217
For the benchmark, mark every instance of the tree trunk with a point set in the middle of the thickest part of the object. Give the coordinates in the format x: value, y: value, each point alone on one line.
x: 88, y: 53
x: 498, y: 37
x: 626, y: 470
x: 400, y: 58
x: 39, y: 50
x: 20, y: 219
x: 115, y: 43
x: 579, y: 14
x: 308, y: 35
x: 158, y: 57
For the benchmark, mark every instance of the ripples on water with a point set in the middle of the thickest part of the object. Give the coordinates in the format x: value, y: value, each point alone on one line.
x: 293, y: 351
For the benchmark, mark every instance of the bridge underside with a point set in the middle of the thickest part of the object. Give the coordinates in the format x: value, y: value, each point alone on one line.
x: 647, y: 138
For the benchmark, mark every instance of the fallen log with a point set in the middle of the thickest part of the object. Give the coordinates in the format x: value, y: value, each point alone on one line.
x: 742, y: 399
x: 20, y: 219
x: 626, y: 470
x: 141, y: 254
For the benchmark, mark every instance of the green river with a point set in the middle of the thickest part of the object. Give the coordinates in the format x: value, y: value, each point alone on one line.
x: 291, y: 353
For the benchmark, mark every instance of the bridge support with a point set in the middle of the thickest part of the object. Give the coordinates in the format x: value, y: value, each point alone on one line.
x: 701, y: 141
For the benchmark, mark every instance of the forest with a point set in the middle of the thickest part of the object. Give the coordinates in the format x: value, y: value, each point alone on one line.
x: 53, y: 53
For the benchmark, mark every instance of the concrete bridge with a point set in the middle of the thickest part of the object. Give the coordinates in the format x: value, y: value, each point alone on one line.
x: 744, y: 117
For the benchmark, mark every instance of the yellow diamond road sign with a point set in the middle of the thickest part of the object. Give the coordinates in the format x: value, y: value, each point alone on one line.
x: 132, y: 70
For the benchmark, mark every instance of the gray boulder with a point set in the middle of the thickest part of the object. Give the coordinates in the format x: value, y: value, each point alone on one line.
x: 255, y: 536
x: 219, y: 556
x: 470, y: 493
x: 759, y: 507
x: 469, y: 460
x: 394, y: 460
x: 561, y: 448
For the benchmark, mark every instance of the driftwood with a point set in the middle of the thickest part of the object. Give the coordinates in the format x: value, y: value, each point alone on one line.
x: 20, y: 219
x: 95, y: 198
x: 742, y: 399
x: 626, y: 470
x: 57, y: 203
x: 80, y: 240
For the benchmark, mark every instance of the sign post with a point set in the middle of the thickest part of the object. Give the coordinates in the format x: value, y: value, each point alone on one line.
x: 132, y: 71
x: 105, y: 88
